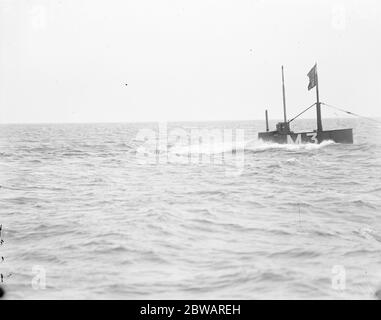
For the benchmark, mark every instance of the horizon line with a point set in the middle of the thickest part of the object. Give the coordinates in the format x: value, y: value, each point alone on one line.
x: 167, y: 121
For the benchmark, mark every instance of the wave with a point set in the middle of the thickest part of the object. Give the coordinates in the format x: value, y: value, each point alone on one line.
x: 262, y: 146
x: 295, y: 253
x: 244, y: 146
x: 368, y: 233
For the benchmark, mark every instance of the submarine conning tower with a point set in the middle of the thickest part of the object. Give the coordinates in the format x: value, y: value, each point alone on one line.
x: 283, y: 134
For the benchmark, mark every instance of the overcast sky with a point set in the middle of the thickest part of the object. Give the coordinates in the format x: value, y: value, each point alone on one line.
x: 69, y: 60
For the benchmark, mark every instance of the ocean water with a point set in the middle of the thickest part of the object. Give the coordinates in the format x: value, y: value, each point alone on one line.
x: 87, y: 214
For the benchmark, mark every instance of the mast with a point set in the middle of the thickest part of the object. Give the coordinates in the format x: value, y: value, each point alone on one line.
x: 267, y: 121
x: 284, y: 98
x: 318, y: 110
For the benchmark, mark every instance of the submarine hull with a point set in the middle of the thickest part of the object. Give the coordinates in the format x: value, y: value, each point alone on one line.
x: 338, y: 136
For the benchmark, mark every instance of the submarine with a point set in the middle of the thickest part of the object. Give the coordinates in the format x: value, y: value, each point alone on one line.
x: 282, y: 133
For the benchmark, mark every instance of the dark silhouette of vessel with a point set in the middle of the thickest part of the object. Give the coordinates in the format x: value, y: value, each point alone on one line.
x: 283, y: 134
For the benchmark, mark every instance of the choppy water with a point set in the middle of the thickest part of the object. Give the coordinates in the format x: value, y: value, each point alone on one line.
x: 77, y: 204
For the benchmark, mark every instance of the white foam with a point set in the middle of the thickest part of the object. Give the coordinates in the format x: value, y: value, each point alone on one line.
x: 256, y: 145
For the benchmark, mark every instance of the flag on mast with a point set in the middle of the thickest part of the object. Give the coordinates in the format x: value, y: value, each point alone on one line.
x: 313, y: 77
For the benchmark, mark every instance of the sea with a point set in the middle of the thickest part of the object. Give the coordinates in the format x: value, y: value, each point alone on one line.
x: 189, y: 210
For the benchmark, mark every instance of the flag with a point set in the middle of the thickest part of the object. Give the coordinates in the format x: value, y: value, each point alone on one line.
x: 313, y: 77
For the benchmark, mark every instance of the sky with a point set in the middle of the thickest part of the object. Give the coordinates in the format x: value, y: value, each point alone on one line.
x: 175, y: 60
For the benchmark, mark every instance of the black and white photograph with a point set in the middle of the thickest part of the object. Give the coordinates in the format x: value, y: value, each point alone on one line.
x: 210, y: 150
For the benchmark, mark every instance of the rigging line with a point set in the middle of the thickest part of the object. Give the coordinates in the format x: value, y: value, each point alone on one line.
x: 302, y: 112
x: 351, y: 113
